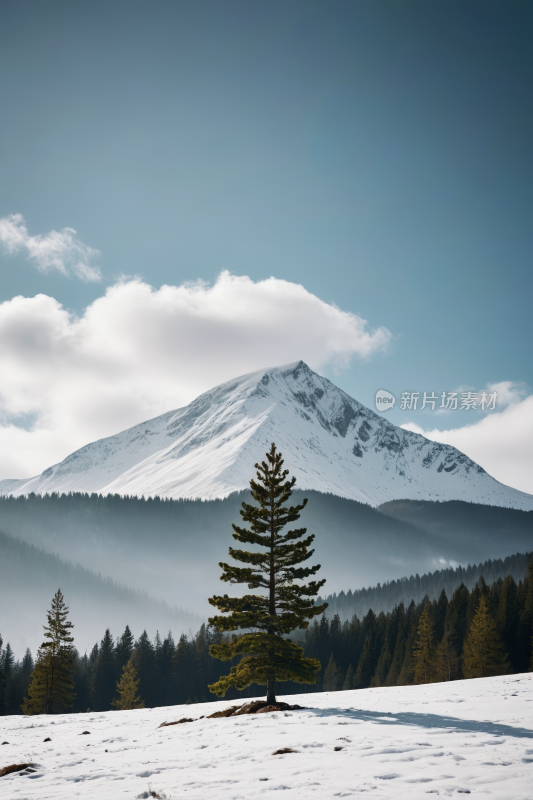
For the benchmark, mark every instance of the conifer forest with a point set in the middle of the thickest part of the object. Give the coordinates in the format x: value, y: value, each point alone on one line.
x: 483, y: 631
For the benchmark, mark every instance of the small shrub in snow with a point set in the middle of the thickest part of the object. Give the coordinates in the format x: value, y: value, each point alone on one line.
x: 151, y: 793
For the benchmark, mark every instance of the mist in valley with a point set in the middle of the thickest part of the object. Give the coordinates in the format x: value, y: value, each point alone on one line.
x: 153, y: 563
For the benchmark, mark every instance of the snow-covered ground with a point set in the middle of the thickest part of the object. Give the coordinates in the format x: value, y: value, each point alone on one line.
x: 468, y: 737
x: 330, y: 441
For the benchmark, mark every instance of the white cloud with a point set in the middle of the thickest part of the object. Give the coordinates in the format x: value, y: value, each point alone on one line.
x: 508, y: 392
x: 137, y: 352
x: 56, y: 250
x: 502, y: 442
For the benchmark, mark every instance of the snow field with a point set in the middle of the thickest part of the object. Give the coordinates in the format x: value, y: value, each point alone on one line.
x: 466, y: 737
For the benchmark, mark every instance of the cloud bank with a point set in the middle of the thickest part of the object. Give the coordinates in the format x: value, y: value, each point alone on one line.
x: 137, y: 352
x: 58, y: 250
x: 502, y: 442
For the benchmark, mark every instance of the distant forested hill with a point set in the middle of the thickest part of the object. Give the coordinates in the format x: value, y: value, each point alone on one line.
x: 170, y: 549
x: 456, y: 520
x: 384, y: 597
x: 29, y: 578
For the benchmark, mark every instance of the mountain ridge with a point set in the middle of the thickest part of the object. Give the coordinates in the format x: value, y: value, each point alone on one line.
x: 331, y: 442
x: 30, y: 576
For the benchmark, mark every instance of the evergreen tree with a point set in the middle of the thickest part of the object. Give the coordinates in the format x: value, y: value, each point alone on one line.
x: 52, y: 685
x: 446, y: 661
x: 382, y: 666
x: 93, y: 656
x: 268, y: 656
x: 82, y: 681
x: 424, y: 649
x: 2, y: 679
x: 526, y: 621
x: 127, y: 687
x: 521, y: 644
x: 124, y: 648
x: 104, y: 674
x: 200, y: 664
x: 439, y: 615
x: 9, y: 679
x: 164, y: 657
x: 398, y: 656
x: 143, y: 660
x: 156, y: 673
x: 39, y: 689
x: 320, y: 642
x: 507, y: 620
x: 369, y: 655
x: 483, y: 653
x: 455, y: 625
x: 406, y: 674
x: 180, y: 670
x: 384, y: 663
x: 332, y: 676
x: 335, y: 637
x: 23, y: 678
x: 348, y: 680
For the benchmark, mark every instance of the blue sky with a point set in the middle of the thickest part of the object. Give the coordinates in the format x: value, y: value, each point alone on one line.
x: 378, y: 153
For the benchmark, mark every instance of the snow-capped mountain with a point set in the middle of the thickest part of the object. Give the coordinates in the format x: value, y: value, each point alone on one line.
x: 330, y: 442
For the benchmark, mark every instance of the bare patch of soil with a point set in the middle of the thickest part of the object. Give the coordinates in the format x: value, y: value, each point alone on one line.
x: 178, y: 722
x: 258, y: 707
x: 16, y: 768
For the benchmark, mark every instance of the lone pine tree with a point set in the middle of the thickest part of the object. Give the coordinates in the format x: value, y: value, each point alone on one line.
x: 267, y: 618
x: 51, y: 688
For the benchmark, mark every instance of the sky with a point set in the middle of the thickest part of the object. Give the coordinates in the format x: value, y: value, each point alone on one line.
x: 191, y: 191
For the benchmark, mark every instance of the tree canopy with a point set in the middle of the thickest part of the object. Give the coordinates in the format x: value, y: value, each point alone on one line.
x: 275, y: 568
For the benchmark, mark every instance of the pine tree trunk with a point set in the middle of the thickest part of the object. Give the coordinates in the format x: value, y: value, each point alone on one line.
x: 48, y: 695
x: 271, y: 682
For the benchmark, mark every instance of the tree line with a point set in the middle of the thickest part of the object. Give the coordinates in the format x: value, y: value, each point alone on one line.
x: 384, y: 596
x: 479, y: 632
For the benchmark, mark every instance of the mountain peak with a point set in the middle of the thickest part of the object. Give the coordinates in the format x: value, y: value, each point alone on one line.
x: 330, y: 442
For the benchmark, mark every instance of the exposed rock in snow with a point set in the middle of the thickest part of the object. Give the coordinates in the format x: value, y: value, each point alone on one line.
x: 331, y: 443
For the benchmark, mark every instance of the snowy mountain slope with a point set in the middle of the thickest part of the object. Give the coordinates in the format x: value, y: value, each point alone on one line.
x: 442, y: 739
x: 330, y: 442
